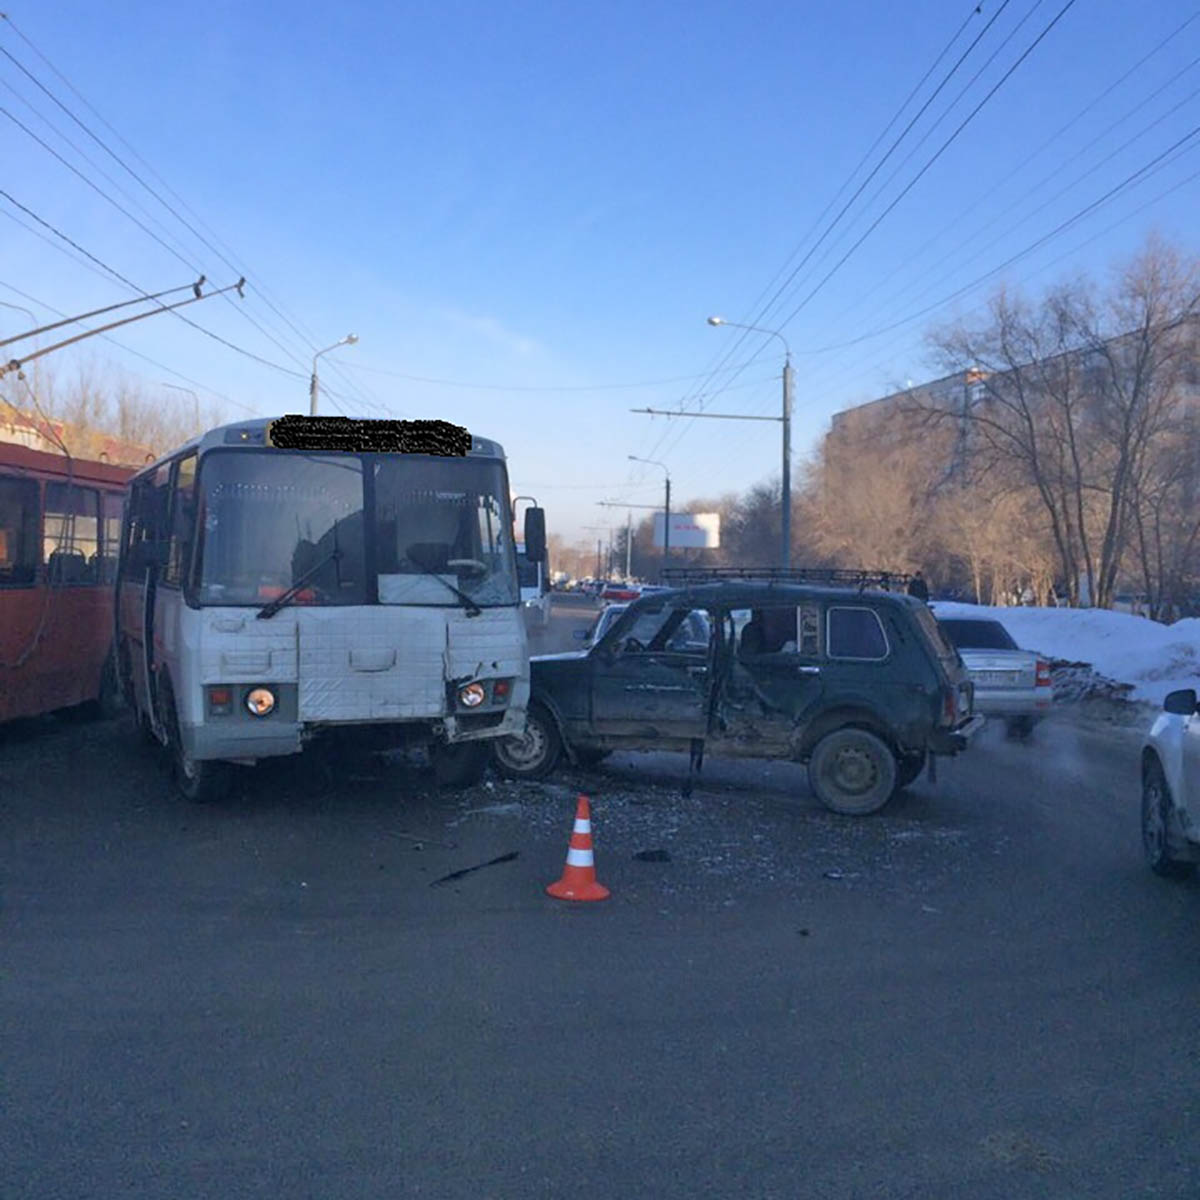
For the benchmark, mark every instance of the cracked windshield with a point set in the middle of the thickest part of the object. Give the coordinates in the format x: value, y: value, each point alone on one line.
x: 600, y: 599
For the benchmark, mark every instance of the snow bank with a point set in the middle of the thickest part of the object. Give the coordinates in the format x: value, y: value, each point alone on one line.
x: 1152, y: 659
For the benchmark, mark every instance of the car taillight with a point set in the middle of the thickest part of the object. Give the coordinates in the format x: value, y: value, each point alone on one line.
x: 1043, y: 673
x: 950, y: 705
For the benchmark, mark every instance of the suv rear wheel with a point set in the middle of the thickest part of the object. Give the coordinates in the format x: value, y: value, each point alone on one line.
x: 853, y: 772
x: 1156, y: 825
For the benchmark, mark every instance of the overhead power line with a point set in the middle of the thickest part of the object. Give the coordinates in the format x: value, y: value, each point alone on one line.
x: 698, y: 396
x: 213, y: 243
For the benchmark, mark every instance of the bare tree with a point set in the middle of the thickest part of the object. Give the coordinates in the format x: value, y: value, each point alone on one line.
x: 1073, y: 396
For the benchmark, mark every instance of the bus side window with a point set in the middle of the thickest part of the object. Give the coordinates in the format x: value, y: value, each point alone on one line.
x: 183, y: 516
x: 71, y: 534
x: 144, y: 533
x: 19, y: 558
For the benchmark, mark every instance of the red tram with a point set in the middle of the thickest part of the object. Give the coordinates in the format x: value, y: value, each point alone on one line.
x: 60, y: 529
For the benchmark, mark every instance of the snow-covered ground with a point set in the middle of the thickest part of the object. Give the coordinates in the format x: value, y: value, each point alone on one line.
x: 1149, y: 658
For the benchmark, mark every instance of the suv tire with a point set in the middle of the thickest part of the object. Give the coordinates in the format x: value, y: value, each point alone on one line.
x: 852, y: 772
x: 532, y: 754
x: 1156, y: 825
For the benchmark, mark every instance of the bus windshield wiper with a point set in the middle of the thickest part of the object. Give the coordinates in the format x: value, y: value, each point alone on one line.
x: 269, y: 610
x: 473, y: 609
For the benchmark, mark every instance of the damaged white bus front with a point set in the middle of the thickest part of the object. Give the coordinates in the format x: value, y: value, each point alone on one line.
x: 321, y: 578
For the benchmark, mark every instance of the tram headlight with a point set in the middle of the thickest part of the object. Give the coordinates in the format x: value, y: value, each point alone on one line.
x: 260, y: 702
x: 472, y: 696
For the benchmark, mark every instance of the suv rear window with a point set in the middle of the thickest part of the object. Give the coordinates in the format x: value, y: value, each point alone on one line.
x: 856, y: 633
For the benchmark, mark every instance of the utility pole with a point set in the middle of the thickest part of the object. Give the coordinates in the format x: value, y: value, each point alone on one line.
x: 628, y: 544
x: 785, y: 549
x: 786, y: 538
x: 313, y: 385
x: 667, y: 507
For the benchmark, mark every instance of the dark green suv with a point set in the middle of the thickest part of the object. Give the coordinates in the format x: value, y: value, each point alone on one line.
x: 858, y: 684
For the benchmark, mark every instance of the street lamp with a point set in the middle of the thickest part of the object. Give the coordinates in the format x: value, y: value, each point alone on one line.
x: 348, y: 340
x: 195, y: 399
x: 667, y: 506
x: 786, y: 538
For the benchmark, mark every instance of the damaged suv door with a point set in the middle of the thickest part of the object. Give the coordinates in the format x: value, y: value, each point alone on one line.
x: 768, y: 680
x: 652, y: 680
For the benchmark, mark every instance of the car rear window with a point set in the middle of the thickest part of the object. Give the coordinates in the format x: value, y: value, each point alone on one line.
x: 856, y: 633
x: 978, y: 635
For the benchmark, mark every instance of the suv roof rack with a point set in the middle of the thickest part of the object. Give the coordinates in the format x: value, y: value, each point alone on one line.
x: 888, y: 581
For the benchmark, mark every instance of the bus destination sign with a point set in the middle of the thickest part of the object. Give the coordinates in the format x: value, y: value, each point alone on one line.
x: 296, y: 432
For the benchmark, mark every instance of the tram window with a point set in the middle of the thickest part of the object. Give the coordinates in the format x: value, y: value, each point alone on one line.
x: 18, y: 532
x: 71, y: 534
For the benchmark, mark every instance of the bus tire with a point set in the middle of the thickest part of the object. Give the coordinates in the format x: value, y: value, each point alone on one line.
x: 460, y: 765
x: 199, y: 781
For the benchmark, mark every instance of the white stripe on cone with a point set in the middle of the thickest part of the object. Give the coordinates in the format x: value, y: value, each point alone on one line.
x: 582, y: 826
x: 579, y: 858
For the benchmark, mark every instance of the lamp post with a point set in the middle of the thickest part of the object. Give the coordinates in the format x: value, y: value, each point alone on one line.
x: 195, y: 399
x: 667, y: 507
x: 786, y: 538
x: 348, y: 340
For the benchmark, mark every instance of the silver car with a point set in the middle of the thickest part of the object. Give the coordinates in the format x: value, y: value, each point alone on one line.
x: 1010, y: 683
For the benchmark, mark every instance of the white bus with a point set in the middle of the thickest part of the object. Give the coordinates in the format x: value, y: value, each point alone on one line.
x: 307, y: 578
x: 534, y: 580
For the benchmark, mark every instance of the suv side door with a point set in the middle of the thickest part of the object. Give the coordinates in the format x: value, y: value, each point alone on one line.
x: 647, y: 683
x: 771, y: 677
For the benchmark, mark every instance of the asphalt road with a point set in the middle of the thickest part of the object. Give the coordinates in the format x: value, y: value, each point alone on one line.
x: 979, y: 992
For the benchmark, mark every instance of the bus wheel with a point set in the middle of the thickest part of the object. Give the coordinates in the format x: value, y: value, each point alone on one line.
x: 460, y: 765
x: 201, y: 781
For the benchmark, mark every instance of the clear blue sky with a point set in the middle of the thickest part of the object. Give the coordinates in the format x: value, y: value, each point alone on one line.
x: 536, y: 199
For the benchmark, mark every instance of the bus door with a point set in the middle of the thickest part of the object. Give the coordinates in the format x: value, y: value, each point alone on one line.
x: 22, y: 600
x: 145, y: 554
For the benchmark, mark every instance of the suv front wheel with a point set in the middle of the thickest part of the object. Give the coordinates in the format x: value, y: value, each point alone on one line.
x: 1156, y: 825
x: 532, y: 754
x: 852, y: 772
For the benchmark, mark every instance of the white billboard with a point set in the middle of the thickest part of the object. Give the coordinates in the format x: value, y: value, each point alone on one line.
x: 690, y: 531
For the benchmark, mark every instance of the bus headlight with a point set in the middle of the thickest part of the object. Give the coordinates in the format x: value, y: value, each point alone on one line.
x: 472, y: 696
x: 260, y: 702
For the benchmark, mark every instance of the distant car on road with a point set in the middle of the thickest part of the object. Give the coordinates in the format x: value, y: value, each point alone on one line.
x: 860, y: 685
x: 620, y: 592
x: 1171, y: 787
x: 1010, y: 683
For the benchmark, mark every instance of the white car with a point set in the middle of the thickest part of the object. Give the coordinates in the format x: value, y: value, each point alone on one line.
x: 1171, y: 787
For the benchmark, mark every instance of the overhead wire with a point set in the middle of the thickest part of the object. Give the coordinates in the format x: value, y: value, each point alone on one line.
x: 765, y: 309
x: 920, y: 254
x: 142, y: 182
x: 702, y: 395
x: 925, y: 168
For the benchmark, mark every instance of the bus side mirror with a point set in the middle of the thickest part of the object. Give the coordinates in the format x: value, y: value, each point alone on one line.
x: 535, y: 535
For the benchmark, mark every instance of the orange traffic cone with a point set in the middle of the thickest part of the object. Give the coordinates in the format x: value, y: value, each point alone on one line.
x: 578, y: 881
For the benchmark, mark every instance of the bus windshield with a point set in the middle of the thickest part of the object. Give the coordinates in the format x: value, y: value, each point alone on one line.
x: 268, y: 520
